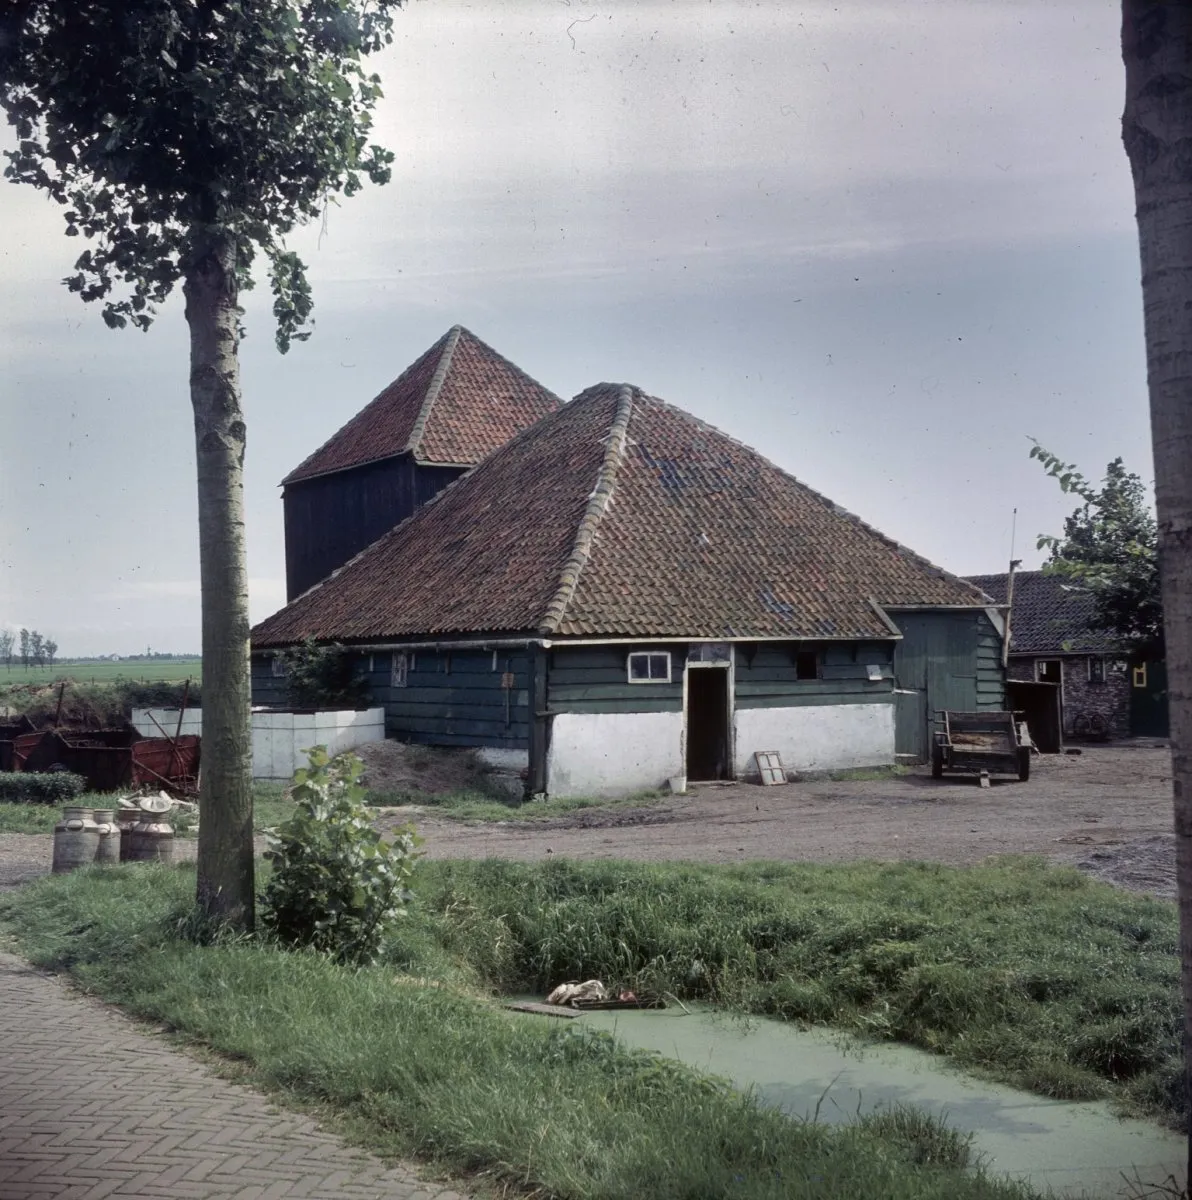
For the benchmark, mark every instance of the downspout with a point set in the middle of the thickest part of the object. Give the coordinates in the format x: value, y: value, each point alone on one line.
x: 536, y: 782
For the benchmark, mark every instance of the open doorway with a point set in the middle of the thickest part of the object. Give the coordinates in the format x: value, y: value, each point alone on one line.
x: 709, y: 745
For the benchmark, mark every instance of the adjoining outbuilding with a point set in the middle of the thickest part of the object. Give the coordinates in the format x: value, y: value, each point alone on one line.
x: 622, y: 594
x: 1070, y: 678
x: 445, y: 412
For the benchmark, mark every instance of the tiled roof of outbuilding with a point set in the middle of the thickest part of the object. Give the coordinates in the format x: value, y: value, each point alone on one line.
x: 454, y: 405
x: 1048, y: 616
x: 621, y: 516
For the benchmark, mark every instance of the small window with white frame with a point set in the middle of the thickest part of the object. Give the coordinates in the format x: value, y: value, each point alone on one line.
x: 1096, y: 669
x: 277, y: 665
x: 399, y: 671
x: 650, y: 666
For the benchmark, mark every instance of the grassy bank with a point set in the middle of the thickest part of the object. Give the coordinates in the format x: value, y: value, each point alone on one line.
x: 1034, y: 975
x: 528, y: 1106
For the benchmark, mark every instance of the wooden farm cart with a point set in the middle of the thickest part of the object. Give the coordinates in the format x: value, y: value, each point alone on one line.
x: 981, y: 743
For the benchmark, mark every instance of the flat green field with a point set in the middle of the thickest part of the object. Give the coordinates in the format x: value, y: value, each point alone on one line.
x: 151, y: 671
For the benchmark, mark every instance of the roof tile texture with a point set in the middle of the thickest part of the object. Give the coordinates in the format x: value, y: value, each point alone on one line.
x: 621, y: 516
x: 482, y: 558
x: 1048, y: 615
x: 707, y: 538
x: 456, y: 404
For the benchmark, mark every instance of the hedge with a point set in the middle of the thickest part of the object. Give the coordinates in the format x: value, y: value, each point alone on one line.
x: 21, y: 787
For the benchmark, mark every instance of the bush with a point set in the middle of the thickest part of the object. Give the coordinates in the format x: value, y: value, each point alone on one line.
x: 323, y: 677
x: 21, y: 787
x: 336, y: 886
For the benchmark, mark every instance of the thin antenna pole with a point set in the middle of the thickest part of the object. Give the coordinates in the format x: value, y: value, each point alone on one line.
x: 1009, y: 591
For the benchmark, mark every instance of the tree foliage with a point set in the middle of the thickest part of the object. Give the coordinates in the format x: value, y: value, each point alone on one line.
x: 1110, y: 548
x: 182, y: 138
x: 155, y: 120
x: 322, y: 676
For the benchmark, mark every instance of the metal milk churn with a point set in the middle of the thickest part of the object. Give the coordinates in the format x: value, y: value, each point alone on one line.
x: 126, y: 818
x: 109, y: 836
x: 151, y: 839
x: 76, y: 840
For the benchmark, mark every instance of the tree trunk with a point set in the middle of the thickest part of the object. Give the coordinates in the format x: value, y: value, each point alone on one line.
x: 1157, y: 132
x: 225, y: 867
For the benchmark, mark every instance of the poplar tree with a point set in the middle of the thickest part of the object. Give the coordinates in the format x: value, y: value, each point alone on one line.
x: 184, y: 139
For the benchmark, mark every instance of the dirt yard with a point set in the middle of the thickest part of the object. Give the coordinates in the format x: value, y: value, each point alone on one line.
x: 1106, y: 810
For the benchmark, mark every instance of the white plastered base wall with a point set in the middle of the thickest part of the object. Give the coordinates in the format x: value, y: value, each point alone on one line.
x: 828, y: 737
x: 612, y: 754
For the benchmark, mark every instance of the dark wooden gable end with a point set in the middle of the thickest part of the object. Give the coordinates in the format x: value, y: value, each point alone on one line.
x: 331, y: 518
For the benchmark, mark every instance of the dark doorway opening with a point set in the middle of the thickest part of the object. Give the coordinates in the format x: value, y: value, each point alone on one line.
x: 707, y: 724
x: 1039, y: 704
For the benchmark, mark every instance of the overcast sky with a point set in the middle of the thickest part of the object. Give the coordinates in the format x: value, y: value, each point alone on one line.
x: 885, y: 243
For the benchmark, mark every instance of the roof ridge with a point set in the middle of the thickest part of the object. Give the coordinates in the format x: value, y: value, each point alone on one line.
x: 508, y: 362
x: 432, y: 392
x: 598, y: 502
x: 335, y: 436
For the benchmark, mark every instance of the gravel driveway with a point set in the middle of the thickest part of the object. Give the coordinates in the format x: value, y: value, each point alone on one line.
x: 1107, y: 809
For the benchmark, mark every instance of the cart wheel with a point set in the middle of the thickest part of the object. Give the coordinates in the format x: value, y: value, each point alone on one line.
x: 937, y: 761
x: 1024, y: 763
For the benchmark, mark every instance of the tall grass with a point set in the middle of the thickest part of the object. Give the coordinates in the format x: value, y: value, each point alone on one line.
x: 533, y: 1107
x: 1033, y: 974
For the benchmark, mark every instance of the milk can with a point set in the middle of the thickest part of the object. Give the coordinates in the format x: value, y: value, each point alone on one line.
x: 151, y: 839
x: 109, y: 836
x: 76, y: 840
x: 126, y: 818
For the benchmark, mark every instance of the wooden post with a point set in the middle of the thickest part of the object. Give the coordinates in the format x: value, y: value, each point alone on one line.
x: 1015, y: 563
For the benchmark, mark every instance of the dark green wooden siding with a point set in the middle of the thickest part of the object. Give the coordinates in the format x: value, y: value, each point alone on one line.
x: 946, y: 660
x: 991, y: 676
x: 766, y: 675
x: 455, y: 698
x: 595, y: 679
x: 267, y: 688
x: 450, y: 699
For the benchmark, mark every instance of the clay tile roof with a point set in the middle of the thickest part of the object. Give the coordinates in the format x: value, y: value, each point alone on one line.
x: 620, y: 515
x: 1048, y: 615
x: 454, y: 405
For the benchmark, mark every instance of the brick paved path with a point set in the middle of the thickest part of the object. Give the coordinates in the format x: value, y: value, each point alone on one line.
x: 93, y: 1106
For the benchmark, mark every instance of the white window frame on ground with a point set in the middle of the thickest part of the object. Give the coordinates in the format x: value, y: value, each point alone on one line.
x: 650, y: 656
x: 399, y: 669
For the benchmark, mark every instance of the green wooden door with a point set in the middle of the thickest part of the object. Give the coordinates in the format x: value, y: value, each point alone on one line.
x: 935, y: 667
x: 1148, y: 699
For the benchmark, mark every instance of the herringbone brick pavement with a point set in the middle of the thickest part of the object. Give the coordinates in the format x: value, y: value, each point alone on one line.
x: 92, y: 1107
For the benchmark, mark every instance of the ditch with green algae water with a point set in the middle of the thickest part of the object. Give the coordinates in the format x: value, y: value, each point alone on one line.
x: 1073, y: 1148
